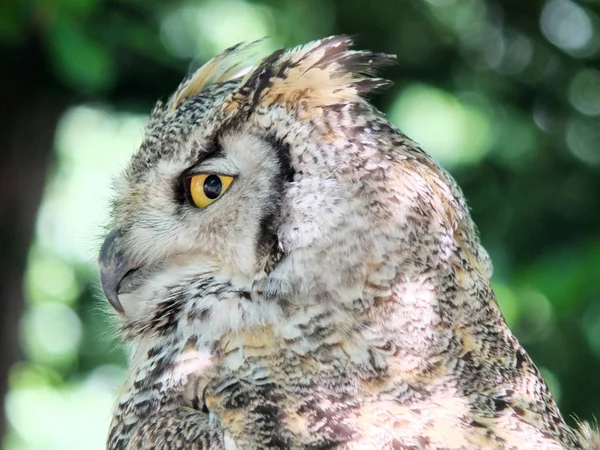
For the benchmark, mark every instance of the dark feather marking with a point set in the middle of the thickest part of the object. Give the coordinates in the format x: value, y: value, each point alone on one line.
x: 261, y: 79
x: 269, y: 423
x: 266, y: 240
x: 500, y: 404
x: 167, y: 315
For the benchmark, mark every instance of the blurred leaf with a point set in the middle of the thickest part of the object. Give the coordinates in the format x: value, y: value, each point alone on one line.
x: 79, y: 60
x: 71, y: 8
x: 567, y: 276
x: 12, y: 21
x: 28, y: 374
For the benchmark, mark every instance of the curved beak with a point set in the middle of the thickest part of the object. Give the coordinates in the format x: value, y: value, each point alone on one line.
x: 113, y: 265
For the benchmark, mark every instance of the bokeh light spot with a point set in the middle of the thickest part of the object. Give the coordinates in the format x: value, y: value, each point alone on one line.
x: 584, y: 92
x: 52, y: 332
x: 518, y: 53
x: 583, y: 136
x: 75, y: 416
x: 535, y: 320
x: 455, y: 133
x: 50, y: 279
x: 93, y: 146
x: 508, y: 302
x: 567, y: 25
x: 204, y: 30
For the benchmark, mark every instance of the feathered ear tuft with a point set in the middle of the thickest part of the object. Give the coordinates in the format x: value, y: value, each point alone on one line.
x: 231, y: 64
x: 319, y: 74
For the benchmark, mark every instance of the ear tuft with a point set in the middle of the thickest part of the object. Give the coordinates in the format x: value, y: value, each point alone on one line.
x: 319, y: 74
x: 229, y: 65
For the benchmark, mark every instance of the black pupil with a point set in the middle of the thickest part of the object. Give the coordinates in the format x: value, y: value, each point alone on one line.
x: 212, y: 186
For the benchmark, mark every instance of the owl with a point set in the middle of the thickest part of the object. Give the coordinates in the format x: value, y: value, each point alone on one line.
x: 291, y: 271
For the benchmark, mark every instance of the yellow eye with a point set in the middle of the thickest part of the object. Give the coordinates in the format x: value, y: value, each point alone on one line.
x: 203, y: 189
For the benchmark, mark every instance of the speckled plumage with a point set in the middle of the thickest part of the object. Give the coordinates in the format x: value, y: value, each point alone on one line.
x: 336, y: 296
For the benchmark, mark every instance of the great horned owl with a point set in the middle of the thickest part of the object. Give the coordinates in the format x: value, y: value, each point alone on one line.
x: 292, y: 271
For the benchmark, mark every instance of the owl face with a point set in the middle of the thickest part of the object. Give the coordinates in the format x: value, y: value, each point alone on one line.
x: 208, y: 201
x: 235, y: 166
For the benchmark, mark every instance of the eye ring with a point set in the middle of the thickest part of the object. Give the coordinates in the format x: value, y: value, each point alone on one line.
x: 204, y: 189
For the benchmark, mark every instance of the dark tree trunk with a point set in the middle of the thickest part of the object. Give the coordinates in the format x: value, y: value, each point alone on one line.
x: 27, y: 126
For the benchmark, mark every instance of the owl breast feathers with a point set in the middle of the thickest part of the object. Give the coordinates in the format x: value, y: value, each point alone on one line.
x: 291, y: 271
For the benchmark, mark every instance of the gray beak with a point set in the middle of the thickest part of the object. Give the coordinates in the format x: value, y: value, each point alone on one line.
x: 113, y: 265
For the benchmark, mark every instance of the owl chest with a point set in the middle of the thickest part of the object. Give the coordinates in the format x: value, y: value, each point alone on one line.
x: 266, y: 392
x: 265, y: 388
x: 304, y: 379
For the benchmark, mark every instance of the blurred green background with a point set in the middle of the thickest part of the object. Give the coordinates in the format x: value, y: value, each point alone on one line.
x: 504, y: 94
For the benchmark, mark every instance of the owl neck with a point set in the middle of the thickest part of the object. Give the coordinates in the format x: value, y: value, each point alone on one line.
x: 202, y: 301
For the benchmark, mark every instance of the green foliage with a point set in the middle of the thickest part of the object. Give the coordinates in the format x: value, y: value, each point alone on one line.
x: 79, y: 60
x: 504, y: 94
x: 12, y: 21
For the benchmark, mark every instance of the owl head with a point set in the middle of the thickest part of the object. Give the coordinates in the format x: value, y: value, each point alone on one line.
x: 282, y: 165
